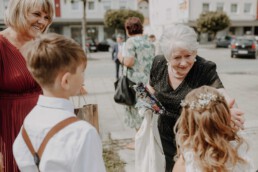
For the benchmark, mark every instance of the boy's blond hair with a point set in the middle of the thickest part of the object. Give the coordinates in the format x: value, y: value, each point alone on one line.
x: 51, y: 54
x: 18, y: 10
x: 205, y: 127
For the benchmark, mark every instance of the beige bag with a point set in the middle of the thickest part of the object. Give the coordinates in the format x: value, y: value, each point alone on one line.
x: 87, y: 112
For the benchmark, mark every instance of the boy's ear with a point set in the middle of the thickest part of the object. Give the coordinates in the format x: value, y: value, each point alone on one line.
x: 65, y: 84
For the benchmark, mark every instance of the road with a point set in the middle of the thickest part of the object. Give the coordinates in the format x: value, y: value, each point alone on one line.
x: 221, y: 56
x: 228, y: 65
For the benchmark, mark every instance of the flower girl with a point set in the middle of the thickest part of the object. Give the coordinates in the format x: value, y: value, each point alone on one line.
x: 205, y: 135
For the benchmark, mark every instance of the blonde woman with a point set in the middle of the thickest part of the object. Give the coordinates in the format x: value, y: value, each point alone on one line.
x: 205, y: 135
x: 25, y: 19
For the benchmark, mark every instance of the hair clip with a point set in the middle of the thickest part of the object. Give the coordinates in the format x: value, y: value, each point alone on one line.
x: 202, y: 101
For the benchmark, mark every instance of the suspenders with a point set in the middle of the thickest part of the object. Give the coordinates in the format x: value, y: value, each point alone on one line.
x: 37, y: 155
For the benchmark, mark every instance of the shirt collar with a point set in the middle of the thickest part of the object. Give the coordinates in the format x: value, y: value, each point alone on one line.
x: 55, y: 103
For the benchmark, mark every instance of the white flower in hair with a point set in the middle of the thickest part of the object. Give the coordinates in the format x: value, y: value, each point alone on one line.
x: 203, y: 100
x: 183, y: 103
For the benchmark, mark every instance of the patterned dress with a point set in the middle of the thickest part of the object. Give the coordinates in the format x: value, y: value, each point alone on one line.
x: 143, y: 52
x: 202, y: 73
x: 18, y: 95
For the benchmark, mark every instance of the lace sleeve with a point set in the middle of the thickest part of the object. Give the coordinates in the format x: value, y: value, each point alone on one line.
x: 190, y: 165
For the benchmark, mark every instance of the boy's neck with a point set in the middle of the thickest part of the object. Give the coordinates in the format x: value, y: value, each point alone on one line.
x: 49, y: 93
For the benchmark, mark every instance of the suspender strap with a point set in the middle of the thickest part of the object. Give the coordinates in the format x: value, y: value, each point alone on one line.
x: 37, y: 155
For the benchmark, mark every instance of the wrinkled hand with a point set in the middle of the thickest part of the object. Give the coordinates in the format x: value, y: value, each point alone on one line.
x: 237, y: 115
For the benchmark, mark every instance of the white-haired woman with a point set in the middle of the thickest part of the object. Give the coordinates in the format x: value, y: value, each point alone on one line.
x: 175, y: 74
x: 25, y: 19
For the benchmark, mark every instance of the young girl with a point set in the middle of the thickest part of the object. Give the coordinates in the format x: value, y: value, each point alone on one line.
x: 205, y: 135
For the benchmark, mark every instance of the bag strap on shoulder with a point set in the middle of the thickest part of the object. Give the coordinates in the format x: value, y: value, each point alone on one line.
x: 37, y: 155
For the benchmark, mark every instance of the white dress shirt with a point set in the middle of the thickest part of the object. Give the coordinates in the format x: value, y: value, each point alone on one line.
x: 76, y: 148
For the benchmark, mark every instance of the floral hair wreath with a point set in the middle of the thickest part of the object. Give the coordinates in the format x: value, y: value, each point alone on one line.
x: 202, y: 102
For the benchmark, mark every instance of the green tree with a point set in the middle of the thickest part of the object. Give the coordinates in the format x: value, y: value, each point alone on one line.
x: 116, y: 18
x: 212, y: 22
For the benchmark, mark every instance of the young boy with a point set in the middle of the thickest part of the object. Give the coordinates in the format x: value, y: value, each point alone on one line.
x: 57, y: 64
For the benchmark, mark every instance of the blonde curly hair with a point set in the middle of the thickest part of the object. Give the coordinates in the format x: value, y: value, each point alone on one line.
x: 207, y: 131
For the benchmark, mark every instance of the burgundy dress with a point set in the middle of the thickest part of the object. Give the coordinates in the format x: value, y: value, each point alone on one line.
x: 18, y: 95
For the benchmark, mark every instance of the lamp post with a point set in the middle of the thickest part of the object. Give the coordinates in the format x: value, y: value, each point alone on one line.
x: 84, y: 25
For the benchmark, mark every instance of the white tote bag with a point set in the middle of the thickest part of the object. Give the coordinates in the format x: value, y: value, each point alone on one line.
x: 149, y: 155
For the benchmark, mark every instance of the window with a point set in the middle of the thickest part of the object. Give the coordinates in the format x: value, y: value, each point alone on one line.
x: 6, y: 3
x: 220, y: 7
x: 76, y: 34
x: 106, y: 5
x: 75, y: 5
x: 122, y: 4
x: 233, y: 8
x: 247, y: 8
x: 91, y: 5
x: 205, y: 7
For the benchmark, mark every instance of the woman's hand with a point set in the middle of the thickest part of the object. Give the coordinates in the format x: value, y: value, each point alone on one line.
x: 237, y: 115
x: 150, y: 88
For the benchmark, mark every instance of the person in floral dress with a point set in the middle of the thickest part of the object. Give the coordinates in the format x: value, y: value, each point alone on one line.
x: 138, y: 54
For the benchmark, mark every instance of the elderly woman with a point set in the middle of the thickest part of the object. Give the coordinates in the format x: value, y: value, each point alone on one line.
x: 25, y: 19
x: 175, y: 74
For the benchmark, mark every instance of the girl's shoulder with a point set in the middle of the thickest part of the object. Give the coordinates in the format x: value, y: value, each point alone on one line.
x: 191, y: 166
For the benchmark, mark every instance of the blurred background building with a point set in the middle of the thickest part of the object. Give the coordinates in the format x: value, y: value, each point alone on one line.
x: 242, y: 13
x: 68, y: 16
x: 158, y: 14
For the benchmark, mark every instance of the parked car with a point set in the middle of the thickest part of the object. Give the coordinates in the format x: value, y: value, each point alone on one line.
x: 106, y: 45
x: 244, y: 46
x: 224, y: 41
x: 91, y: 45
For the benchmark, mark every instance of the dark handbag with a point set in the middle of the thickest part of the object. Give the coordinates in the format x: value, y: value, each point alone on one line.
x: 124, y: 91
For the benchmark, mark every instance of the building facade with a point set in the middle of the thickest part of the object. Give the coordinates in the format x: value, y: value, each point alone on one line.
x: 243, y: 14
x: 68, y: 16
x: 69, y: 20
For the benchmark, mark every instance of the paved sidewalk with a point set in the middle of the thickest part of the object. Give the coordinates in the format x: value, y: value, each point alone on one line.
x: 101, y: 90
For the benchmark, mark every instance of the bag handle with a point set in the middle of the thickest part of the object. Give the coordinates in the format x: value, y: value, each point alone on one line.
x: 37, y: 155
x: 79, y: 99
x: 124, y: 67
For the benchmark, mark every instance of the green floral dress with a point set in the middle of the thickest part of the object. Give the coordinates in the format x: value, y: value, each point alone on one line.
x: 143, y: 52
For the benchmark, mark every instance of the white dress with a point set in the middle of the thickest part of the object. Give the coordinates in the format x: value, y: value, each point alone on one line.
x: 191, y: 166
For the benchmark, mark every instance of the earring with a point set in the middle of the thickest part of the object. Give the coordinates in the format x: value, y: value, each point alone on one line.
x: 195, y: 60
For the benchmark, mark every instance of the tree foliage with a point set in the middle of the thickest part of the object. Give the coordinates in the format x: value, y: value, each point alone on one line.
x: 116, y: 18
x: 212, y: 22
